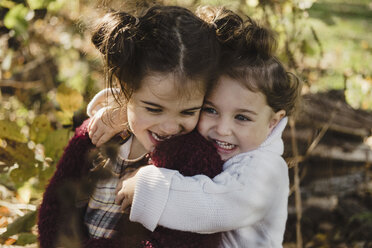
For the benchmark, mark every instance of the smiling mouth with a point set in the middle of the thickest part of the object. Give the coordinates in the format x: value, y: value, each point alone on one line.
x: 224, y: 145
x: 159, y: 137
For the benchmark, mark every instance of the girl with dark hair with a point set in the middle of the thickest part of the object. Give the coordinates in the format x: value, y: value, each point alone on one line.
x: 243, y: 115
x: 162, y: 64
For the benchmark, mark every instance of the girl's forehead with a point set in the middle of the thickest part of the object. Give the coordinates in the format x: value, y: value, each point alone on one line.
x: 171, y: 86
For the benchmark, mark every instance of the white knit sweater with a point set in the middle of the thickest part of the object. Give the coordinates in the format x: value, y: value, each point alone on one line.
x: 247, y: 201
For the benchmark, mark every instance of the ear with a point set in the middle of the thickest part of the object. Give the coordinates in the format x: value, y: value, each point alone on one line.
x: 276, y: 118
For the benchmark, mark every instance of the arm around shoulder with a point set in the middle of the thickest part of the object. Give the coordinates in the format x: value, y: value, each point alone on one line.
x: 239, y: 196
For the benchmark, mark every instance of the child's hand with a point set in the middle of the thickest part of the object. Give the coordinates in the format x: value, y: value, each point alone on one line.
x: 125, y: 190
x: 105, y: 123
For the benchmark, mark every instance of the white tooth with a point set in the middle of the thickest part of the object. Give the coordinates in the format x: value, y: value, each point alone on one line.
x: 225, y: 145
x: 155, y: 136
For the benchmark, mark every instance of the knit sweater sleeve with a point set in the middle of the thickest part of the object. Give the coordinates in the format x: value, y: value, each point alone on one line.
x: 70, y: 168
x: 239, y: 196
x: 101, y: 100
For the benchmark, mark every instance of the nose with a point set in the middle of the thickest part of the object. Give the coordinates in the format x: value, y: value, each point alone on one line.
x: 171, y: 127
x: 223, y: 127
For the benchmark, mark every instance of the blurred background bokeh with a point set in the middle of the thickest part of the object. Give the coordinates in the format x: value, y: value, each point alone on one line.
x: 49, y: 71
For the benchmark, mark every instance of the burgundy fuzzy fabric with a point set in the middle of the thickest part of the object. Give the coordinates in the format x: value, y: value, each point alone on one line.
x: 190, y: 154
x: 71, y: 167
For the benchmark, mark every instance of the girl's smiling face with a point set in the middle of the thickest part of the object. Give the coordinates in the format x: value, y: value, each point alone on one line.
x: 162, y: 108
x: 236, y: 119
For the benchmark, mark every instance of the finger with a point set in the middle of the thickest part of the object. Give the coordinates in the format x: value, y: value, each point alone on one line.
x: 127, y: 210
x: 125, y: 204
x: 92, y: 129
x: 97, y: 136
x: 119, y: 198
x: 104, y: 138
x: 130, y: 172
x: 91, y: 125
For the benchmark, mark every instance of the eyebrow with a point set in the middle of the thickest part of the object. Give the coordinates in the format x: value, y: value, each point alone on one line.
x: 247, y: 111
x: 152, y: 104
x: 238, y: 110
x: 159, y: 106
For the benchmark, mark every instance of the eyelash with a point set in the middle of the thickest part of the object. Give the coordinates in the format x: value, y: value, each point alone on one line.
x: 153, y: 110
x: 157, y: 111
x: 242, y: 118
x: 209, y: 110
x: 188, y: 113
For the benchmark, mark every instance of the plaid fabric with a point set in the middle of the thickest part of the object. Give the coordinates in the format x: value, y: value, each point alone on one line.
x: 102, y: 214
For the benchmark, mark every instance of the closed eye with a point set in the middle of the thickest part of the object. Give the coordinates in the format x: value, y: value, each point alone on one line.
x: 189, y: 113
x: 153, y: 110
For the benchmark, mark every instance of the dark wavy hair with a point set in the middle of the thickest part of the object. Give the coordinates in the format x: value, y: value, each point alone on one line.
x: 248, y: 57
x: 164, y: 39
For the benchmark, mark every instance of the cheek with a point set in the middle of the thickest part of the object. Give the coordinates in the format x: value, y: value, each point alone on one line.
x: 136, y: 121
x: 203, y: 126
x: 190, y: 123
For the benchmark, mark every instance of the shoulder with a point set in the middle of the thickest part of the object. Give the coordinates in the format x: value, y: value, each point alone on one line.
x: 80, y: 141
x: 265, y: 166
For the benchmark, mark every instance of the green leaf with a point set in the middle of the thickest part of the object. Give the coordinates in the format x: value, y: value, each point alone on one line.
x: 68, y: 99
x: 39, y: 4
x: 7, y: 4
x: 10, y: 130
x: 306, y: 48
x: 16, y: 19
x: 20, y: 153
x: 26, y: 238
x: 21, y: 175
x: 6, y: 157
x: 22, y: 224
x: 40, y: 129
x: 55, y: 143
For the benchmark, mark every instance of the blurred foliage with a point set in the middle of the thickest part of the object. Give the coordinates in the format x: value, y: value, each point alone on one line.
x: 49, y: 70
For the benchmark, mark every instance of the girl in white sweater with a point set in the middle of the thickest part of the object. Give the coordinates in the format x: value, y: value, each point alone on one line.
x: 244, y: 115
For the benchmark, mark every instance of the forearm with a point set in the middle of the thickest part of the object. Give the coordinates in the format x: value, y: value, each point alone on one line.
x: 102, y: 99
x: 200, y: 204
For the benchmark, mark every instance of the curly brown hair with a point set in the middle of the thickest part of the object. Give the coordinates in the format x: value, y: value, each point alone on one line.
x: 164, y: 39
x: 248, y: 57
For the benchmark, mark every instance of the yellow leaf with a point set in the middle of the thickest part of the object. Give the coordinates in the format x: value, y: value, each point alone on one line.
x: 12, y: 131
x: 10, y: 241
x: 68, y: 99
x: 65, y: 118
x: 3, y: 222
x: 364, y: 44
x: 4, y: 211
x: 24, y: 193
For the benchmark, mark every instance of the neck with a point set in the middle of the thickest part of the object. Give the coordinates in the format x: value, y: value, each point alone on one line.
x: 136, y: 149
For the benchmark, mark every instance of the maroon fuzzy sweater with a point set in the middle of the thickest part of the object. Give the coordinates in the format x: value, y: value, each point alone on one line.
x: 61, y: 213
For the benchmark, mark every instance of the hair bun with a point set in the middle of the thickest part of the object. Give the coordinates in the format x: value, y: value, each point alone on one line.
x: 258, y: 39
x: 228, y: 25
x: 114, y: 32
